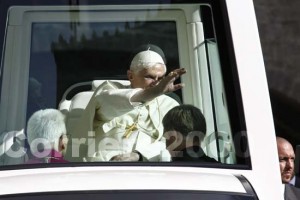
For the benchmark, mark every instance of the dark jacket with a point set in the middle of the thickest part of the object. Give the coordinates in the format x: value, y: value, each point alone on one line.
x: 194, y: 153
x: 297, y: 182
x: 291, y: 192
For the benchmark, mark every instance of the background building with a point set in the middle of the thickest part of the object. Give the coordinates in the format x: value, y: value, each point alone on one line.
x: 279, y: 28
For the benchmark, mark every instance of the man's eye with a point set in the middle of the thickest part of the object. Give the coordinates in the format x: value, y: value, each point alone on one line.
x: 160, y: 78
x: 283, y: 159
x: 149, y: 77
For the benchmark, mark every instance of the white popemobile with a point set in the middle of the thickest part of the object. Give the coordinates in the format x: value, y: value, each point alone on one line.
x: 56, y: 53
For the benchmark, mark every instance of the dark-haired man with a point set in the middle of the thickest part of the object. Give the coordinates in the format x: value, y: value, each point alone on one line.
x: 184, y: 129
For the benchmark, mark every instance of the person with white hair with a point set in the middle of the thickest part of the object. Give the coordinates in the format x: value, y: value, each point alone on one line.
x: 47, y: 136
x: 124, y: 123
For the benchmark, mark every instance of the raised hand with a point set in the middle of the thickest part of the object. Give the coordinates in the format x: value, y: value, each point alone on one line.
x: 167, y: 83
x: 163, y: 86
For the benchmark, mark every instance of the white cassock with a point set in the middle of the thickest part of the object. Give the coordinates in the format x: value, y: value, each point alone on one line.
x: 112, y: 125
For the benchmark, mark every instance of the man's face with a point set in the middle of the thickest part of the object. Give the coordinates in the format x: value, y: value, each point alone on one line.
x: 286, y: 161
x: 146, y: 78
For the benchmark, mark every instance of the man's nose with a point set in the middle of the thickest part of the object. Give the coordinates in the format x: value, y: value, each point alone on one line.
x: 155, y: 81
x: 290, y: 163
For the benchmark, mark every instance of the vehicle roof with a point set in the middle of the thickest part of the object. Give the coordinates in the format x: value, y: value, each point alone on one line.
x: 116, y: 178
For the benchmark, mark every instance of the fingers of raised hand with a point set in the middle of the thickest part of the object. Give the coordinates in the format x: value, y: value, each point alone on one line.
x: 177, y: 72
x: 172, y: 73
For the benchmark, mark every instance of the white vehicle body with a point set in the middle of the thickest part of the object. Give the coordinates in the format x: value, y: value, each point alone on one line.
x: 263, y: 170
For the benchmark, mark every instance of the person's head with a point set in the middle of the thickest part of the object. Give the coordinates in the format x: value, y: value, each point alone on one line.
x: 286, y: 159
x: 185, y: 123
x: 148, y: 67
x: 47, y: 127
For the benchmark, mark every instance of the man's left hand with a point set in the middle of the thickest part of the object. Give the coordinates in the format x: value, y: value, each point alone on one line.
x: 127, y: 157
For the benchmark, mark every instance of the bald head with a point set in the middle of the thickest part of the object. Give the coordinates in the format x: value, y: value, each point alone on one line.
x: 286, y: 159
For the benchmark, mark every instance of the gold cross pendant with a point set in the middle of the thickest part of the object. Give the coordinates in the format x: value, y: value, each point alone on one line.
x: 129, y: 130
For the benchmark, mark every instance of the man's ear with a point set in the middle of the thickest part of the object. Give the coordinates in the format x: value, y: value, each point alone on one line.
x: 61, y: 144
x: 129, y: 75
x: 174, y: 140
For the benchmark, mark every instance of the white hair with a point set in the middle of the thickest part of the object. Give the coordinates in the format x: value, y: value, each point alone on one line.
x: 146, y: 59
x: 46, y: 124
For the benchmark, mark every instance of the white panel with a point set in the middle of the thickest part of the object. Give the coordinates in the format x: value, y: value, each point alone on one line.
x: 255, y: 96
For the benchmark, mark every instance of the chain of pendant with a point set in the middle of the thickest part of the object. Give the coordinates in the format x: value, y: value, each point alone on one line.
x: 136, y: 125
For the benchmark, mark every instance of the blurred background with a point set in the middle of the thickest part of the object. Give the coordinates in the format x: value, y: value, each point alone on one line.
x: 279, y: 30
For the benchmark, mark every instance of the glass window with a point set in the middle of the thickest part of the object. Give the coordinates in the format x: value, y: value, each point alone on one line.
x: 55, y: 56
x: 64, y: 54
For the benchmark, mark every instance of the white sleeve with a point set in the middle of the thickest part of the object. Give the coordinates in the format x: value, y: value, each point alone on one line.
x: 113, y: 102
x: 154, y: 152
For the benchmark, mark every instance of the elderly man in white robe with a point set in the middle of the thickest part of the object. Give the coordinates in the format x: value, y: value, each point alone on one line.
x: 124, y: 123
